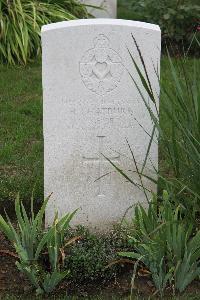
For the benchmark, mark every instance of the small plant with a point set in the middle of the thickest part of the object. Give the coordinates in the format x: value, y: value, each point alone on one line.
x: 31, y: 241
x: 89, y: 257
x: 165, y: 244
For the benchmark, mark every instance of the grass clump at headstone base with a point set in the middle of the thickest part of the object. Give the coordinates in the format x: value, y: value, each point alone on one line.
x: 56, y: 259
x: 90, y: 257
x: 91, y: 260
x: 166, y: 236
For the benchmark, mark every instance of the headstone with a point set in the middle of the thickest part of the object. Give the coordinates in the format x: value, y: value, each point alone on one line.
x: 108, y: 8
x: 91, y: 109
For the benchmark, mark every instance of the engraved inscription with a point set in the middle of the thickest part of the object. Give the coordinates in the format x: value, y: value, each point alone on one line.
x: 108, y: 115
x: 101, y: 67
x: 100, y: 160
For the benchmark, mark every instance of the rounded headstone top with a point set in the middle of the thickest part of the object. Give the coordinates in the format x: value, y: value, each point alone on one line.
x: 92, y: 22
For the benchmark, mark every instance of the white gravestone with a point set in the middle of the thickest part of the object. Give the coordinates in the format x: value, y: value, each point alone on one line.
x: 91, y: 106
x: 108, y: 8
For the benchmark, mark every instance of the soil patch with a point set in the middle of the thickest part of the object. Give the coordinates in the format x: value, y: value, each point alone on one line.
x: 13, y: 282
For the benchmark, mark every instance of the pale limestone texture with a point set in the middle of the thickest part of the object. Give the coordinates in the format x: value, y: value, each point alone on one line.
x: 109, y: 8
x: 91, y: 107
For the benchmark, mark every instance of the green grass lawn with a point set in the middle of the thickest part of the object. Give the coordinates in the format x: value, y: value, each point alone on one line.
x: 21, y: 139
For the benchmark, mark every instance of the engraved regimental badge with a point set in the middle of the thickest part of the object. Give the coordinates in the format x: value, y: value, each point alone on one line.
x: 101, y: 67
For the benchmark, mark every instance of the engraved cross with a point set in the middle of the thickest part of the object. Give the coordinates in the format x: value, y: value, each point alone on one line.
x: 101, y: 160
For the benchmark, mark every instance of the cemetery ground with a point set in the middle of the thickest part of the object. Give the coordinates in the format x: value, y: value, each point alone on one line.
x: 21, y: 170
x: 21, y: 138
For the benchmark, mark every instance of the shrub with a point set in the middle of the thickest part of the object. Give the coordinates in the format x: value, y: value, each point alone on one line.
x: 178, y: 19
x: 21, y: 22
x: 89, y: 257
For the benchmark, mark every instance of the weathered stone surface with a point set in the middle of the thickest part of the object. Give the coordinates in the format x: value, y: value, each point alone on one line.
x: 109, y: 8
x: 91, y: 107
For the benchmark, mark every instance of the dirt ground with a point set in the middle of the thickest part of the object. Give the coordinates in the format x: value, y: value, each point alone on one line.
x: 10, y: 278
x: 13, y: 282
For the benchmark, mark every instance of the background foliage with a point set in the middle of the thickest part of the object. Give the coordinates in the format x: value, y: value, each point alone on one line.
x: 178, y: 19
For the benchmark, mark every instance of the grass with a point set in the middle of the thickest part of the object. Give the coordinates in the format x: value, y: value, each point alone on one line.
x: 21, y: 139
